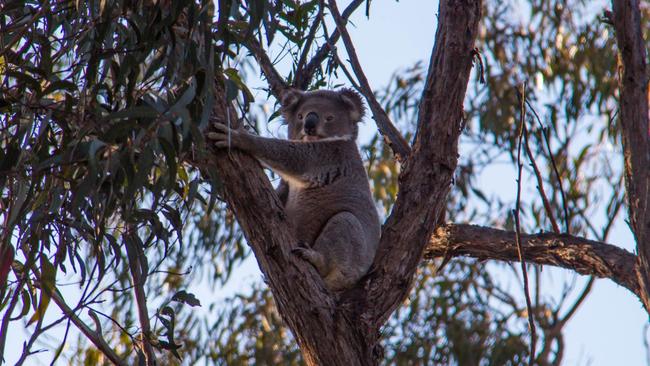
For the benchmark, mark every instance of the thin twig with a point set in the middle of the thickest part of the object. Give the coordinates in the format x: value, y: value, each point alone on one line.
x: 557, y: 173
x: 276, y: 82
x: 538, y: 175
x: 394, y: 139
x: 310, y: 39
x: 531, y: 320
x: 304, y: 76
x: 337, y: 59
x: 93, y: 336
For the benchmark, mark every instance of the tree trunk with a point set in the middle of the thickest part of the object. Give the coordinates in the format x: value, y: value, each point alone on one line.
x: 346, y: 332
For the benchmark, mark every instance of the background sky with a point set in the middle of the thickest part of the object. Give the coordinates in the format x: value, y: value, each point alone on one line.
x: 609, y: 327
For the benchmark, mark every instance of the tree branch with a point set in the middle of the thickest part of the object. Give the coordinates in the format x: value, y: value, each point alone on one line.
x: 635, y: 131
x: 583, y: 256
x: 276, y: 82
x: 139, y: 277
x: 305, y: 75
x: 92, y: 335
x: 392, y: 136
x: 426, y: 177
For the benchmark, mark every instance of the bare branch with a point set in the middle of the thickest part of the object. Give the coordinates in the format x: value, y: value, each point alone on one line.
x: 304, y: 76
x: 538, y: 174
x: 93, y: 336
x: 310, y: 38
x: 554, y: 165
x: 581, y: 255
x: 139, y: 277
x: 524, y: 272
x: 635, y: 130
x: 276, y: 82
x: 392, y: 136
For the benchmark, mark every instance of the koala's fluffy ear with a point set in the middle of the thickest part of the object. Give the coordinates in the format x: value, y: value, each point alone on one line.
x: 290, y: 98
x: 353, y: 100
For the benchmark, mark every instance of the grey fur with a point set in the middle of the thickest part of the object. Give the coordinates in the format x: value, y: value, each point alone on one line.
x: 325, y: 187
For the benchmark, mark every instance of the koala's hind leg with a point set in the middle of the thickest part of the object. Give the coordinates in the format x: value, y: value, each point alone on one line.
x: 340, y: 253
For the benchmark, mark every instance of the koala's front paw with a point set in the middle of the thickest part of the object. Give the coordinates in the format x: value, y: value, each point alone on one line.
x: 224, y: 136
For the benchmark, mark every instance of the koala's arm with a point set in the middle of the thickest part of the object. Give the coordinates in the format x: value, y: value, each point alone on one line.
x: 289, y: 158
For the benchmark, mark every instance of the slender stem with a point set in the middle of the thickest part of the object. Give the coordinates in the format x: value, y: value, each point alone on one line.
x: 531, y: 320
x: 394, y: 139
x: 538, y: 175
x: 304, y: 76
x: 93, y: 336
x: 554, y: 165
x: 139, y: 278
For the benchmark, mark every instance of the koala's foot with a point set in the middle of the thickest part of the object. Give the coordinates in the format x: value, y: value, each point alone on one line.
x: 224, y: 136
x: 313, y: 257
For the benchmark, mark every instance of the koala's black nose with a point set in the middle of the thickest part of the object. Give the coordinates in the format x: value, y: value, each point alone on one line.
x: 310, y: 123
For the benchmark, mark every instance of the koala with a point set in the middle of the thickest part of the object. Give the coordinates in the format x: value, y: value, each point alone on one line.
x: 324, y: 187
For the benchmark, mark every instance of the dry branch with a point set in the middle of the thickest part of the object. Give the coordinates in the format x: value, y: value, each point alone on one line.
x: 276, y: 82
x: 392, y: 136
x: 581, y: 255
x: 306, y: 74
x: 93, y: 336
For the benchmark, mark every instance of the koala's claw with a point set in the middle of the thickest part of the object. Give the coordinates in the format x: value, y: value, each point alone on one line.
x: 313, y: 257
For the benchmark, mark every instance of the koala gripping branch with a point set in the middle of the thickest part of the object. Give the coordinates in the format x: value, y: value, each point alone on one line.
x: 325, y: 336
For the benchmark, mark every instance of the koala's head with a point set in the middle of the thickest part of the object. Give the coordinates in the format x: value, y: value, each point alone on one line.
x: 322, y: 113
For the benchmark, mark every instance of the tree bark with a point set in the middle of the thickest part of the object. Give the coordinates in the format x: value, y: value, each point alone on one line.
x: 427, y: 175
x: 581, y: 255
x: 325, y: 335
x: 635, y: 132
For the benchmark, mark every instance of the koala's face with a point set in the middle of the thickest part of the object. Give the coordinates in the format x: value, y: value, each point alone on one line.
x: 321, y: 114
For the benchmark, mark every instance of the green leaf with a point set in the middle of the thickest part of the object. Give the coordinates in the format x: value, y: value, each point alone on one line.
x: 48, y: 278
x: 186, y: 298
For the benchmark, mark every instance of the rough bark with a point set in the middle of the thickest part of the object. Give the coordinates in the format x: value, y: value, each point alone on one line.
x: 635, y: 131
x: 325, y: 335
x: 581, y: 255
x: 426, y: 177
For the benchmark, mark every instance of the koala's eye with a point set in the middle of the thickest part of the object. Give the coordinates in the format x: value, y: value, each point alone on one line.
x: 329, y: 118
x: 300, y: 116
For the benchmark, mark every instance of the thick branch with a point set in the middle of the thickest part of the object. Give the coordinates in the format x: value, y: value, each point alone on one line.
x: 426, y: 178
x: 581, y: 255
x: 392, y: 136
x: 635, y: 131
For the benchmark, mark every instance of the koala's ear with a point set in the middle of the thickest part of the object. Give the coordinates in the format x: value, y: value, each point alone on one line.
x: 353, y: 100
x: 290, y: 98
